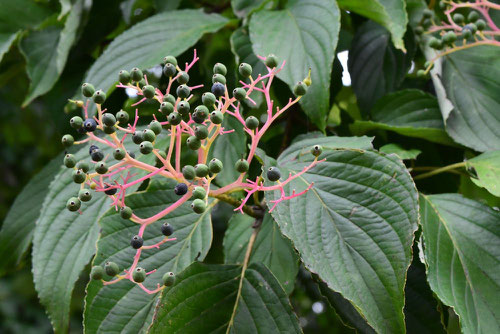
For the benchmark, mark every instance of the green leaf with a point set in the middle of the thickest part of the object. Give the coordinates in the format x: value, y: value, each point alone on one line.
x: 146, y: 43
x: 354, y: 228
x: 487, y: 168
x: 203, y: 297
x: 242, y: 8
x: 163, y: 6
x: 400, y: 151
x: 228, y: 148
x: 304, y: 35
x: 109, y: 308
x: 376, y: 67
x: 18, y: 227
x: 389, y: 13
x: 470, y: 79
x: 461, y: 239
x: 409, y: 112
x: 271, y: 248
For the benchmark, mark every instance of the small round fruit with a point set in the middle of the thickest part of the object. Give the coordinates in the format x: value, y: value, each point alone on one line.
x: 136, y: 242
x: 168, y: 279
x: 101, y: 167
x: 239, y: 94
x: 241, y: 166
x: 473, y: 16
x: 108, y: 129
x: 245, y: 70
x: 174, y: 118
x: 155, y: 126
x: 219, y: 78
x: 198, y: 117
x: 137, y: 137
x: 252, y: 122
x: 201, y: 131
x: 84, y: 195
x: 125, y: 212
x: 76, y: 122
x: 273, y: 174
x: 435, y: 43
x: 167, y: 229
x: 88, y: 90
x: 216, y: 117
x: 215, y: 166
x: 146, y: 147
x: 110, y: 191
x: 193, y: 143
x: 166, y: 108
x: 122, y: 117
x: 90, y: 125
x: 99, y: 97
x: 136, y: 74
x: 419, y: 30
x: 201, y: 170
x: 181, y: 189
x: 124, y: 77
x: 97, y: 155
x: 449, y: 37
x: 198, y: 206
x: 427, y: 13
x: 183, y: 91
x: 300, y: 89
x: 108, y: 119
x: 148, y: 135
x: 426, y: 23
x: 83, y: 165
x: 73, y: 204
x: 79, y: 176
x: 480, y: 24
x: 96, y: 273
x: 316, y: 150
x: 421, y: 74
x: 183, y: 107
x: 139, y: 275
x: 93, y: 185
x: 148, y: 91
x: 458, y: 18
x: 119, y: 153
x: 208, y: 99
x: 69, y: 160
x: 199, y: 192
x: 169, y: 98
x: 183, y: 78
x: 271, y: 61
x: 67, y: 140
x: 111, y: 268
x: 471, y: 27
x: 169, y: 70
x: 218, y: 89
x: 220, y: 69
x: 188, y: 172
x: 170, y: 60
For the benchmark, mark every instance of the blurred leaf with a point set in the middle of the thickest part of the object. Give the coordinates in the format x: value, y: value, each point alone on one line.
x: 164, y: 5
x: 487, y: 168
x: 470, y: 190
x: 304, y: 35
x: 65, y: 8
x: 400, y: 151
x: 271, y: 248
x: 244, y: 7
x: 203, y: 297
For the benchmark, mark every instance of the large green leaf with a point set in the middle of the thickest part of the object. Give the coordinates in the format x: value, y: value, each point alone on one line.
x: 203, y: 297
x: 376, y: 67
x: 470, y: 79
x: 487, y: 168
x: 461, y: 239
x: 389, y: 13
x: 409, y: 112
x: 109, y: 308
x: 271, y: 248
x: 146, y: 43
x: 402, y: 153
x: 19, y: 225
x: 354, y: 228
x: 304, y: 34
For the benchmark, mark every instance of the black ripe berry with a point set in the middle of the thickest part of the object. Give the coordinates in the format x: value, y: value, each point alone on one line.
x: 167, y: 229
x: 110, y: 191
x: 97, y: 155
x: 218, y: 89
x: 90, y: 124
x: 181, y: 189
x: 273, y: 174
x: 136, y: 242
x: 92, y: 148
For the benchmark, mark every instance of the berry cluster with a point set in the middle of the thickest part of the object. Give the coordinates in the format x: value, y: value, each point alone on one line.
x: 467, y: 24
x: 201, y: 124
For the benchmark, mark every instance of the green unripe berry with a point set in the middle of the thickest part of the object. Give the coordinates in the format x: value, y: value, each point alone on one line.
x: 119, y: 153
x: 111, y: 268
x: 426, y: 23
x: 419, y: 30
x: 183, y: 107
x: 148, y: 91
x: 84, y: 195
x: 155, y: 126
x: 273, y: 174
x: 239, y: 93
x: 67, y: 140
x: 316, y: 150
x: 427, y: 13
x: 168, y: 279
x: 139, y: 275
x: 300, y: 89
x: 169, y: 70
x: 79, y: 176
x: 252, y: 122
x: 434, y: 43
x: 208, y: 99
x: 458, y: 18
x: 101, y: 167
x: 69, y: 160
x: 449, y: 37
x: 148, y: 135
x: 88, y: 90
x: 76, y: 122
x: 201, y: 170
x: 188, y: 172
x: 141, y: 83
x: 421, y: 74
x: 97, y: 273
x: 215, y: 166
x: 199, y: 206
x: 473, y: 16
x: 169, y: 98
x: 99, y: 97
x: 220, y: 69
x: 124, y: 77
x: 245, y: 70
x: 170, y: 60
x: 166, y: 108
x: 146, y: 147
x: 201, y: 131
x: 193, y: 143
x: 125, y: 212
x: 83, y: 165
x: 183, y: 78
x: 183, y: 91
x: 158, y: 162
x: 271, y: 61
x: 219, y: 78
x: 108, y: 119
x: 136, y: 74
x: 480, y: 24
x: 137, y: 137
x: 199, y: 192
x: 174, y: 118
x: 73, y: 204
x: 216, y: 117
x: 122, y: 117
x: 241, y: 166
